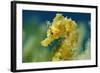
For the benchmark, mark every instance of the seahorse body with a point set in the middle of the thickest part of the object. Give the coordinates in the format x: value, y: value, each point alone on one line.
x: 66, y: 28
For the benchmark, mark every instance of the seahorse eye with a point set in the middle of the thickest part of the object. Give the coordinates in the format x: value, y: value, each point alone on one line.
x: 51, y: 33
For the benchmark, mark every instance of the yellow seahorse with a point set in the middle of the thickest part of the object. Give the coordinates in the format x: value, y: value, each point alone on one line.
x: 66, y: 28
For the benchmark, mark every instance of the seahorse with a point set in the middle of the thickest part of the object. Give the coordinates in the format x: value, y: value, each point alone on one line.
x: 67, y: 31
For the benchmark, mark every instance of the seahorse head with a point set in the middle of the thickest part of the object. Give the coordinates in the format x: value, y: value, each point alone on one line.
x: 55, y: 30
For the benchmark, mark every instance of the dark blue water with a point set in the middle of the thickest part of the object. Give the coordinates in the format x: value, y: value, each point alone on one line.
x: 42, y: 16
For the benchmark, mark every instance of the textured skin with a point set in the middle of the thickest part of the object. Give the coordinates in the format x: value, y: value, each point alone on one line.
x: 66, y: 28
